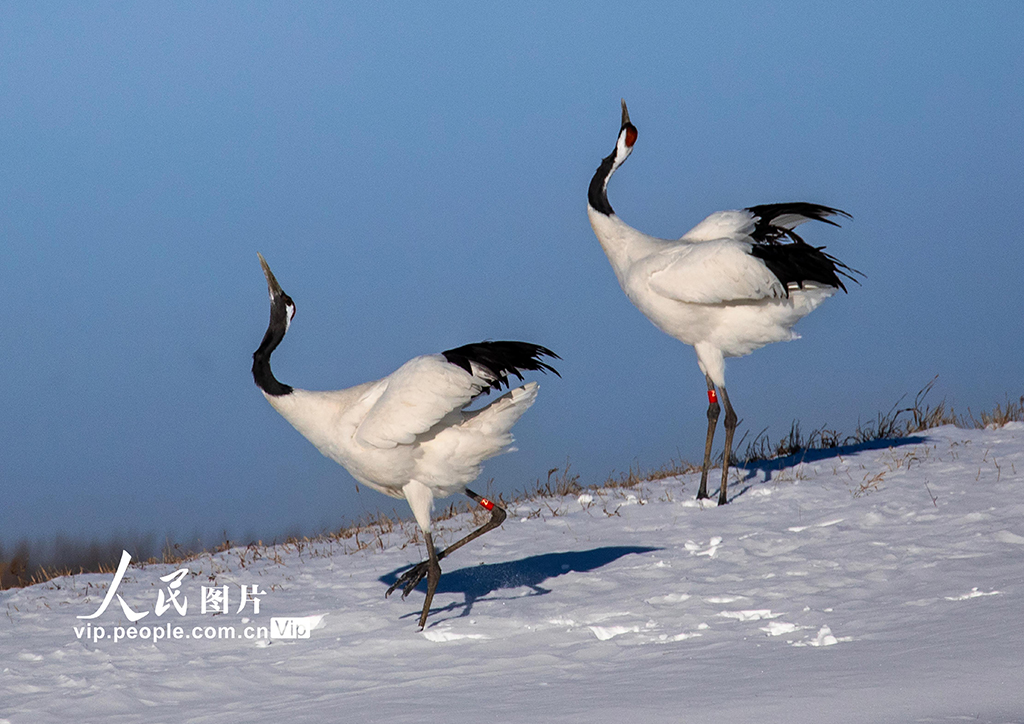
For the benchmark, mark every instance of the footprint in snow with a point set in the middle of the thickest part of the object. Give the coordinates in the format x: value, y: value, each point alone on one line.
x: 446, y: 634
x: 604, y: 633
x: 824, y: 638
x: 668, y: 598
x: 823, y: 524
x: 751, y: 615
x: 974, y: 593
x: 780, y: 628
x: 695, y: 548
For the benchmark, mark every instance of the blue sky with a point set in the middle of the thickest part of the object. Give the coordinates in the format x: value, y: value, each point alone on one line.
x: 416, y: 177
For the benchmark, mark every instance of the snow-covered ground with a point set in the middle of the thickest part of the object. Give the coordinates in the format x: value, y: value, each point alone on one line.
x: 878, y: 584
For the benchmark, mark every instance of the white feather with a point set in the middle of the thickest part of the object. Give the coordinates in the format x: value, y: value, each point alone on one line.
x: 709, y: 272
x: 414, y: 398
x: 409, y: 427
x: 722, y: 225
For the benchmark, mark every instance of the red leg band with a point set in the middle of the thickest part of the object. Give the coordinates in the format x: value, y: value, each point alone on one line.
x: 712, y: 397
x: 485, y: 503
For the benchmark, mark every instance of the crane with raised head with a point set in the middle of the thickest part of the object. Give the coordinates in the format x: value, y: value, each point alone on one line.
x: 732, y: 284
x: 410, y: 435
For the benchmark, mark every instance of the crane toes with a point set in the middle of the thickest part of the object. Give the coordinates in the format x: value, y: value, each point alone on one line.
x: 410, y: 579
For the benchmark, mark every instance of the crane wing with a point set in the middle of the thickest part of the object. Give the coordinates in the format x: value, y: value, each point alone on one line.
x: 722, y: 225
x: 417, y: 396
x: 710, y: 272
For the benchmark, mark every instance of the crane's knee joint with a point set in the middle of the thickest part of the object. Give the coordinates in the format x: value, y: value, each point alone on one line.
x: 498, y: 515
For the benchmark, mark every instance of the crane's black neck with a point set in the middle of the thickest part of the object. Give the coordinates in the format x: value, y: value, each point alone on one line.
x: 280, y: 312
x: 597, y: 196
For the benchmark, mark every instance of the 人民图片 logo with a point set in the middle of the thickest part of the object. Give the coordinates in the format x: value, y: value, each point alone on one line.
x: 213, y: 600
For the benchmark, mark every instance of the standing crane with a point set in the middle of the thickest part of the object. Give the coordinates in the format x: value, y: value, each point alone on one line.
x: 732, y: 284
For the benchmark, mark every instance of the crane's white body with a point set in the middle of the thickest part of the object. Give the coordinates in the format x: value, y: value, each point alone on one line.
x: 706, y: 289
x: 408, y: 435
x: 735, y: 282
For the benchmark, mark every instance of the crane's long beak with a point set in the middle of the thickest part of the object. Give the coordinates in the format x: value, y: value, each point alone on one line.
x: 272, y: 286
x: 627, y: 132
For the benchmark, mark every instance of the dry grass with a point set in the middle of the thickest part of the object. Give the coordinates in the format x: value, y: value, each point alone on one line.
x: 69, y: 557
x: 376, y: 532
x: 897, y: 423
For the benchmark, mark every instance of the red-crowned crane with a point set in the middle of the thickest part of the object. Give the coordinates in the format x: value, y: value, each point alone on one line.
x: 409, y: 435
x: 735, y: 282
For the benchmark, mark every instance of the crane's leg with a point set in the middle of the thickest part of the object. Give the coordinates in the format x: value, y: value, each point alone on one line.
x: 411, y: 578
x: 713, y: 411
x: 730, y: 429
x: 433, y: 576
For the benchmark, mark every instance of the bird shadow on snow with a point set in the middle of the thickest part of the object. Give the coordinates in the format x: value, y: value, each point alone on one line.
x: 476, y: 582
x: 777, y: 465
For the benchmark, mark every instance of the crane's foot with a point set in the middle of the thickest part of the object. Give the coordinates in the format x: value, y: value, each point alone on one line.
x: 410, y: 579
x: 702, y: 491
x: 429, y: 568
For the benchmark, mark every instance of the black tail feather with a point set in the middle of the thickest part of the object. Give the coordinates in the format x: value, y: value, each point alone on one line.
x: 502, y: 359
x: 799, y: 262
x: 768, y: 214
x: 795, y: 261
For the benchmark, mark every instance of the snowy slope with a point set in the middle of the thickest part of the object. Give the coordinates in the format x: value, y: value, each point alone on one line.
x: 880, y: 584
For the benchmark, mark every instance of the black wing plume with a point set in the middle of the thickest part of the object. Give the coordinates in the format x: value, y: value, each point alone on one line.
x: 502, y: 359
x: 767, y: 229
x: 796, y: 261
